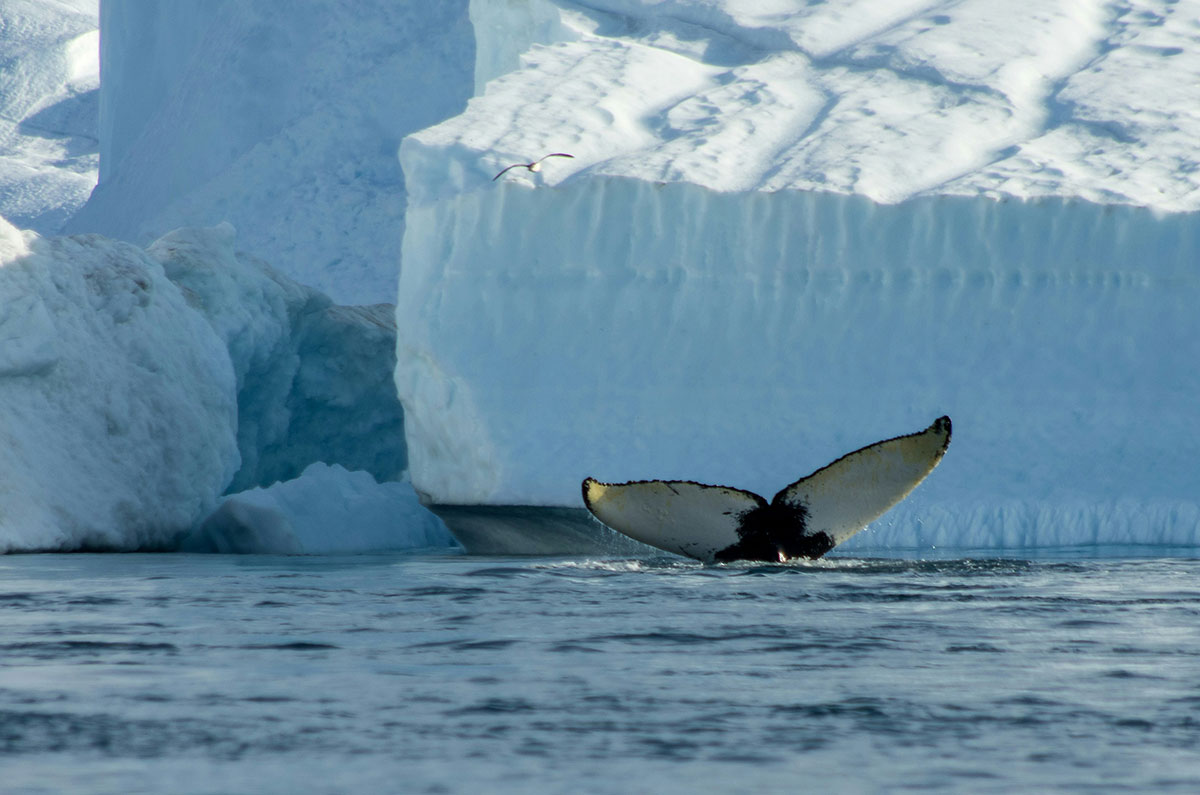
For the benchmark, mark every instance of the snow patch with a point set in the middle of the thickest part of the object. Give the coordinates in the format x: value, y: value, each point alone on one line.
x: 49, y: 87
x: 886, y: 100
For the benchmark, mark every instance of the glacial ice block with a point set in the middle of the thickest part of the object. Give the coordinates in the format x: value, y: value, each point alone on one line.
x: 784, y: 237
x: 314, y: 379
x: 119, y: 404
x: 137, y: 386
x: 282, y: 118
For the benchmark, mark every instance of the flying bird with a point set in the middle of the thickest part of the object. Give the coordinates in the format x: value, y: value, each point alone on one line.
x: 535, y: 166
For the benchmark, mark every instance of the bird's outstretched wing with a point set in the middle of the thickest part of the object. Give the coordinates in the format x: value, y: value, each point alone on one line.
x: 514, y: 165
x: 679, y: 516
x: 531, y: 166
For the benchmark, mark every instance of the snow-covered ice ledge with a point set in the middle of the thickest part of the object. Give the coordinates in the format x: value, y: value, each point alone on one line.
x: 758, y: 261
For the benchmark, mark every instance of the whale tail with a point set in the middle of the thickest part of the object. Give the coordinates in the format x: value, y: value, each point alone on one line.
x: 804, y: 520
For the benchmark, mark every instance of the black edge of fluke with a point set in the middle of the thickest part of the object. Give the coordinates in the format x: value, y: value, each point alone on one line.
x: 583, y: 487
x: 936, y: 426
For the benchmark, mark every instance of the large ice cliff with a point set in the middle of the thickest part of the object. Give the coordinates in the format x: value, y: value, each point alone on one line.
x: 789, y: 230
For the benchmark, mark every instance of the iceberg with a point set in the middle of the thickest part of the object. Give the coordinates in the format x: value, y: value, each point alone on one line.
x: 120, y: 412
x: 141, y: 385
x: 283, y: 119
x: 787, y: 230
x: 786, y: 235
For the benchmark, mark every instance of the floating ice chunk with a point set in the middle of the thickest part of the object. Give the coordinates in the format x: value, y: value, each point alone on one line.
x: 328, y: 509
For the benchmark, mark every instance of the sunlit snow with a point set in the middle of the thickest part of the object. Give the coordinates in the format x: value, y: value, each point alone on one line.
x: 887, y: 100
x: 49, y: 88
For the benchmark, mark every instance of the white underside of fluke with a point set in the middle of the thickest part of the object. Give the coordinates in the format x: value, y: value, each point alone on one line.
x: 806, y: 519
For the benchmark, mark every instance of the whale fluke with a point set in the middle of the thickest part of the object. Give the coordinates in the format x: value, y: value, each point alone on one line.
x: 804, y: 520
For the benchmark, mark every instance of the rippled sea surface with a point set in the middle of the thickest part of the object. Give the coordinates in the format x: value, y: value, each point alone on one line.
x: 451, y: 673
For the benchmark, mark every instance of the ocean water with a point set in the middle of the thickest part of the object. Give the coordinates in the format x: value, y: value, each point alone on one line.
x: 445, y: 672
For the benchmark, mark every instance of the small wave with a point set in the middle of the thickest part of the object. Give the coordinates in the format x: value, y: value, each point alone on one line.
x: 975, y: 647
x: 493, y: 706
x: 453, y: 592
x: 499, y: 572
x: 569, y: 647
x: 16, y: 599
x: 1125, y: 673
x: 58, y: 647
x: 300, y: 645
x: 98, y: 601
x: 855, y: 707
x: 467, y: 645
x: 268, y: 699
x: 624, y: 565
